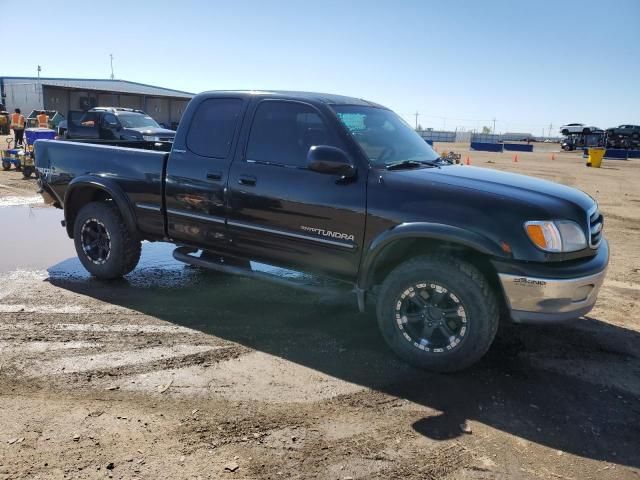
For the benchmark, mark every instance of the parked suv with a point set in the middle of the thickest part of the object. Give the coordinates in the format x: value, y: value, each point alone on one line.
x: 632, y: 131
x: 624, y: 136
x: 116, y: 123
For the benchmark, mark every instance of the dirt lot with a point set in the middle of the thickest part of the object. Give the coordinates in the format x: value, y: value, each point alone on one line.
x: 179, y: 373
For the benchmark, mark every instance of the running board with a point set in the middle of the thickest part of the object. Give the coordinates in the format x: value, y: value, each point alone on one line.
x: 183, y: 254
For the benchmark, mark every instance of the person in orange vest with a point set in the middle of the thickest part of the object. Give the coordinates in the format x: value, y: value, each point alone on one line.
x: 43, y: 120
x: 17, y: 124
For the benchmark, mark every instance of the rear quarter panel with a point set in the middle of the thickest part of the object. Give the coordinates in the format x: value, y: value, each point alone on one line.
x: 137, y: 173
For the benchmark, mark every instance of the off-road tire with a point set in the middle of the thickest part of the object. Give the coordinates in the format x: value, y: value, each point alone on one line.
x: 124, y: 245
x: 6, y: 165
x: 460, y: 278
x: 27, y: 172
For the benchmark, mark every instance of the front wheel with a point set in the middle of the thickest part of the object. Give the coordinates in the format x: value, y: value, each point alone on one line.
x: 438, y: 313
x: 28, y: 171
x: 6, y: 165
x: 104, y: 244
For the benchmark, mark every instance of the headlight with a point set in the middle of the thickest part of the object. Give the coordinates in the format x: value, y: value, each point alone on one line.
x: 556, y: 236
x: 150, y: 138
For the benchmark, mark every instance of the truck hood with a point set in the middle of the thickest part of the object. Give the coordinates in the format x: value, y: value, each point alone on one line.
x: 155, y: 131
x: 523, y: 188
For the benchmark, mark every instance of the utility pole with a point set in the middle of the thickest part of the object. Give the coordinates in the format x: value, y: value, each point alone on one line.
x: 417, y: 114
x: 39, y: 86
x: 111, y: 59
x: 550, y: 127
x: 494, y: 125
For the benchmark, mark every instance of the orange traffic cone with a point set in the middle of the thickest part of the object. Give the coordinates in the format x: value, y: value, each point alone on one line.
x: 435, y: 148
x: 515, y: 158
x: 468, y: 160
x: 553, y: 156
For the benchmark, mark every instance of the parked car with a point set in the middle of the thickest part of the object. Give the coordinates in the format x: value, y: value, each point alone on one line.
x: 344, y: 188
x: 110, y: 123
x: 576, y: 128
x: 632, y: 131
x: 624, y: 136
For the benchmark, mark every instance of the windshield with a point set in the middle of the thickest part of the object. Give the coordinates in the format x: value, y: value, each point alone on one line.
x: 137, y: 120
x: 384, y: 137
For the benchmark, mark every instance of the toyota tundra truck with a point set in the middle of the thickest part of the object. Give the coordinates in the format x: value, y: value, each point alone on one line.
x: 341, y: 188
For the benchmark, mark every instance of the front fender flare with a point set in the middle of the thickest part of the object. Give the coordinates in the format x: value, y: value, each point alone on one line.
x: 106, y: 185
x: 425, y: 230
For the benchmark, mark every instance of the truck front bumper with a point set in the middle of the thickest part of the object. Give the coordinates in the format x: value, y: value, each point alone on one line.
x: 554, y: 293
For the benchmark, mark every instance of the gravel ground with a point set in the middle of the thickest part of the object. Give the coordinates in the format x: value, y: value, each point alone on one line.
x: 175, y: 372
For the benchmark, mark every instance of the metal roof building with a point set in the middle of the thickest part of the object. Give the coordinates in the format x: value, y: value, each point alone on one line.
x: 63, y: 94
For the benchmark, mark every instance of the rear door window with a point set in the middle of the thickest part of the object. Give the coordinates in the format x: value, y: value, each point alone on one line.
x: 213, y: 126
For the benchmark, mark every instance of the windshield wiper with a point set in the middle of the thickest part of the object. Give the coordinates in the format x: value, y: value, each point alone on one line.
x: 410, y: 164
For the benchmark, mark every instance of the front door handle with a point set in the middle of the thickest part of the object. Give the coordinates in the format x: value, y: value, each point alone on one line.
x: 214, y: 175
x: 247, y: 180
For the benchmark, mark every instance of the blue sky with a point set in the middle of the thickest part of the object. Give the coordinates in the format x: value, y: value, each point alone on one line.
x: 458, y: 63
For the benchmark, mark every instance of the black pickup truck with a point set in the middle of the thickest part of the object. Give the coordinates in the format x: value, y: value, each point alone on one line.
x: 344, y: 188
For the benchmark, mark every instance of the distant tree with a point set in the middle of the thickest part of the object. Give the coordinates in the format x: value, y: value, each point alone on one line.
x: 486, y: 129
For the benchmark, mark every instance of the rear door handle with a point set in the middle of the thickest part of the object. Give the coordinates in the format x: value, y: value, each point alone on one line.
x: 247, y: 180
x: 214, y: 175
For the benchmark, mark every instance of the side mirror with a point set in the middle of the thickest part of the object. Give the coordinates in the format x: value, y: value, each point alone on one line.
x: 330, y: 160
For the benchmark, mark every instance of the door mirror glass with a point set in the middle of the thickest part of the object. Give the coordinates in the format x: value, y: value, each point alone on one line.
x: 330, y: 160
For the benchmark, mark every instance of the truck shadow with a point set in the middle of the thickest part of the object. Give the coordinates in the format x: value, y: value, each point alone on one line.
x: 573, y: 387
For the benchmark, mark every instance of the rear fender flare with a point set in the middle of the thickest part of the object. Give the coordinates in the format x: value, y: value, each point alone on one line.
x: 427, y: 231
x: 106, y: 185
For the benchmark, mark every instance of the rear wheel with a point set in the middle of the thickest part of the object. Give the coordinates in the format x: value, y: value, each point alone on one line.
x: 104, y: 244
x: 437, y: 313
x: 27, y: 171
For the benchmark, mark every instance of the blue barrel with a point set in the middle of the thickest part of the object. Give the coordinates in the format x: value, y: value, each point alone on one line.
x: 34, y: 134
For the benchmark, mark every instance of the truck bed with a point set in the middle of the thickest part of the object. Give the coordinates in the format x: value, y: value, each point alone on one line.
x: 135, y: 172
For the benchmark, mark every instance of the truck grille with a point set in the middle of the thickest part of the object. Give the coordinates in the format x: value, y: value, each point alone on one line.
x: 596, y: 224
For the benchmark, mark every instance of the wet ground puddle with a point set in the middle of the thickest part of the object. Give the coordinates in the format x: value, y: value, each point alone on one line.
x: 32, y: 239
